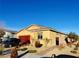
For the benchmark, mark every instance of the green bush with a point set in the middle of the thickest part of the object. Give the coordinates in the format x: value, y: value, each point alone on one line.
x: 73, y: 51
x: 32, y: 51
x: 23, y: 49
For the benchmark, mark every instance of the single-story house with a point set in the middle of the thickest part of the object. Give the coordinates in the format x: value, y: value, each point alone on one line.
x: 46, y: 36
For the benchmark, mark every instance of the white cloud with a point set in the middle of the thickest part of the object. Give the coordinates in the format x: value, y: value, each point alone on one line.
x: 9, y: 28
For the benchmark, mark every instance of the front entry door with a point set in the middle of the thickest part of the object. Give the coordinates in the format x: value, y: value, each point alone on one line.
x: 57, y: 40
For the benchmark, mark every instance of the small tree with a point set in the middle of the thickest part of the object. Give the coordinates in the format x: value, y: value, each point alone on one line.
x: 73, y: 35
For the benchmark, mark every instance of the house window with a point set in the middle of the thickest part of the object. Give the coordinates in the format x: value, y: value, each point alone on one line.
x: 40, y: 35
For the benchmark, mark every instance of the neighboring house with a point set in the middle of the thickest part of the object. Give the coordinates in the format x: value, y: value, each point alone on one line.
x: 46, y: 36
x: 8, y: 34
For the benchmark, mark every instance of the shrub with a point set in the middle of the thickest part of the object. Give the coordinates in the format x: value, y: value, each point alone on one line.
x: 73, y: 52
x: 23, y: 49
x: 37, y: 44
x: 32, y: 51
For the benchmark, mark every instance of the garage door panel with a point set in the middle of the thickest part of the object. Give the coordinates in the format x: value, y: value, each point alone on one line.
x: 25, y: 38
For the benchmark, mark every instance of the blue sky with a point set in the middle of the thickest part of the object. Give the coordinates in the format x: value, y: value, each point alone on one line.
x: 62, y: 15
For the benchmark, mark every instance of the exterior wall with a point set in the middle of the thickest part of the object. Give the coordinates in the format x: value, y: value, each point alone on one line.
x: 49, y: 37
x: 33, y: 35
x: 45, y: 35
x: 23, y: 32
x: 61, y: 38
x: 53, y: 37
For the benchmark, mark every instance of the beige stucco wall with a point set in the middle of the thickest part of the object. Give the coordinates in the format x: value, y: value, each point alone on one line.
x: 46, y: 35
x: 61, y: 38
x: 33, y: 35
x: 50, y: 35
x: 21, y: 33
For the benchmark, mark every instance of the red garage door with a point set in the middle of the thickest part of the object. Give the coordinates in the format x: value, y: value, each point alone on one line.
x: 25, y: 39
